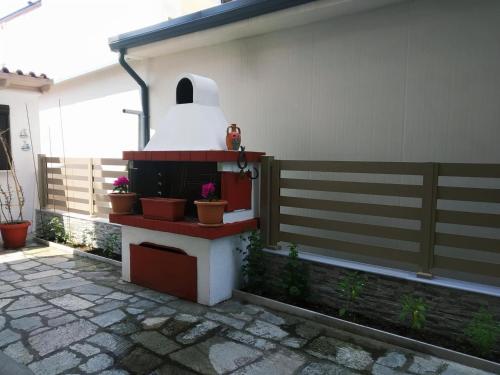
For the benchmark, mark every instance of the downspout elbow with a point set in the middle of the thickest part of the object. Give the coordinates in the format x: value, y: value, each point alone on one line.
x: 144, y: 96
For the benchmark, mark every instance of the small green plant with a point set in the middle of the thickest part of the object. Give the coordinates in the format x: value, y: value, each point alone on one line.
x: 413, y: 311
x: 350, y: 288
x: 110, y: 245
x: 88, y: 238
x: 253, y: 267
x: 54, y: 230
x: 295, y: 277
x: 483, y: 331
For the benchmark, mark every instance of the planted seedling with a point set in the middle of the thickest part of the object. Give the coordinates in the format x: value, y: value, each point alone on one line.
x: 295, y: 277
x: 253, y: 268
x: 350, y: 288
x: 413, y: 311
x: 483, y: 331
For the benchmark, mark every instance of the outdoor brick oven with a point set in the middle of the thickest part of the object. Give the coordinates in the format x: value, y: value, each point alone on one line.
x: 181, y: 257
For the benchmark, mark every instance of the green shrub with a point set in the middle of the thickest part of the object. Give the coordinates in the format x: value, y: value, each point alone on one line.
x: 253, y: 268
x: 88, y: 238
x: 483, y: 331
x: 54, y: 231
x: 111, y: 245
x: 295, y: 277
x: 413, y: 311
x: 350, y: 288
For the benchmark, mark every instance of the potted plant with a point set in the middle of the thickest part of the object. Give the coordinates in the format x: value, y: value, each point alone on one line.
x: 210, y: 208
x: 122, y: 201
x: 14, y: 228
x: 158, y: 208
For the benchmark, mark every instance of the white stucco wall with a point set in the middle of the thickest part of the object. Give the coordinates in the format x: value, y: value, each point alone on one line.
x: 414, y: 81
x: 17, y: 101
x: 90, y: 112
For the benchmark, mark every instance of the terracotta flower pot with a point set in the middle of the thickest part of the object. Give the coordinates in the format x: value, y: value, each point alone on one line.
x: 122, y: 203
x: 169, y: 209
x: 14, y: 235
x: 210, y: 213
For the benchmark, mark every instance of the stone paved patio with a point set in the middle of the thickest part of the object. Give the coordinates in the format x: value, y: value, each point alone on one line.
x: 61, y: 314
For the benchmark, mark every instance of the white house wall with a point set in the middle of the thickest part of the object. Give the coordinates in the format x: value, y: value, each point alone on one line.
x: 91, y: 115
x: 17, y: 101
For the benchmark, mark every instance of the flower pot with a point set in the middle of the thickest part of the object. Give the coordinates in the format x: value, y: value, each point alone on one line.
x: 169, y: 209
x: 210, y: 213
x: 122, y: 203
x: 14, y: 234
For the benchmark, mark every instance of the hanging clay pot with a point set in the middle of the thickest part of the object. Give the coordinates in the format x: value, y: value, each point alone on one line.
x: 233, y: 137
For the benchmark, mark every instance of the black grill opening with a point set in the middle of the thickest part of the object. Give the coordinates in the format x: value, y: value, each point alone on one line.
x: 172, y: 179
x: 184, y: 92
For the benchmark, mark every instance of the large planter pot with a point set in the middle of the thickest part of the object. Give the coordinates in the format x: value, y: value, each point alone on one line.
x: 14, y: 235
x: 210, y: 213
x: 169, y: 209
x: 122, y: 203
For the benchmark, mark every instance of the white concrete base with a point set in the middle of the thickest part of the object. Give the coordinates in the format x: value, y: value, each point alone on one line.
x: 218, y: 262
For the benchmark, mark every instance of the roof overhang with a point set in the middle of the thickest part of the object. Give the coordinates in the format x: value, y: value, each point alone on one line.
x: 234, y: 20
x: 16, y: 81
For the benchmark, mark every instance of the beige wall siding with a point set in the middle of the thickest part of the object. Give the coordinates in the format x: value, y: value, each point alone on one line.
x: 417, y: 81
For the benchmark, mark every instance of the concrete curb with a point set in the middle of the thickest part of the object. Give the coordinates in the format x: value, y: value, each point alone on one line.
x: 372, y: 333
x: 77, y: 252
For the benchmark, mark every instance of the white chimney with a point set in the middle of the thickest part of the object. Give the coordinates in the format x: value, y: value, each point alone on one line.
x: 196, y: 122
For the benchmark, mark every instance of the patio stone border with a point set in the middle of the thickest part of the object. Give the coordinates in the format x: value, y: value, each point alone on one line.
x: 373, y: 333
x: 77, y: 252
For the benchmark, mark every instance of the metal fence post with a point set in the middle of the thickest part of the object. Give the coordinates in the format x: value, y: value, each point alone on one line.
x: 42, y: 181
x: 274, y: 227
x: 90, y: 171
x: 429, y: 203
x: 265, y: 198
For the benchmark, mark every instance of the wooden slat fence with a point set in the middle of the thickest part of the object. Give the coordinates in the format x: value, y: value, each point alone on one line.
x: 78, y: 185
x: 433, y: 218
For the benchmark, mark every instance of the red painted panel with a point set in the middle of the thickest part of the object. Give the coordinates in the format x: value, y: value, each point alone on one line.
x: 164, y: 269
x: 211, y: 155
x: 188, y: 228
x: 236, y: 190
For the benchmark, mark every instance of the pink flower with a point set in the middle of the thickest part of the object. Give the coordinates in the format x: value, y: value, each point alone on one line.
x: 208, y: 190
x: 122, y: 180
x: 121, y: 184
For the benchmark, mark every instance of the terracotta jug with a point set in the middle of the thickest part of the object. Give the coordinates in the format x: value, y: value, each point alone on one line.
x: 233, y: 137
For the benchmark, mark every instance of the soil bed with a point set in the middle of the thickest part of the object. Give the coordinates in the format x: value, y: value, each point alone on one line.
x: 428, y: 337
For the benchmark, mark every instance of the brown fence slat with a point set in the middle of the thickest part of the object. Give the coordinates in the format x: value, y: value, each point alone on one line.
x: 468, y: 218
x: 107, y: 174
x: 469, y: 194
x: 109, y: 161
x: 469, y: 170
x: 467, y: 265
x: 354, y: 228
x: 83, y: 207
x: 350, y: 247
x: 68, y: 199
x: 67, y: 188
x: 399, y: 190
x: 102, y: 204
x: 68, y: 177
x: 400, y: 212
x: 69, y: 193
x: 468, y: 242
x: 353, y: 167
x: 103, y: 186
x: 60, y: 160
